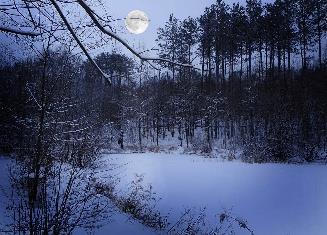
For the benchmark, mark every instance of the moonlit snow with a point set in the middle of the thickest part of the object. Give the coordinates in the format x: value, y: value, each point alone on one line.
x: 273, y: 198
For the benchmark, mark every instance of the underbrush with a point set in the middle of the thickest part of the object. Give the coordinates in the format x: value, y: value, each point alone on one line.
x: 141, y: 204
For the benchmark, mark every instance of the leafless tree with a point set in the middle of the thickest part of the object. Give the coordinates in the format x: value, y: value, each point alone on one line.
x: 36, y: 18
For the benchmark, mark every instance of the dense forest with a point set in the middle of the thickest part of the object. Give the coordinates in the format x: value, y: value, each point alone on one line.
x: 260, y: 87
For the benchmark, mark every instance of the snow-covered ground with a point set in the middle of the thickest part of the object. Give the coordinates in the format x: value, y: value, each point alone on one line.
x: 118, y: 224
x: 274, y: 198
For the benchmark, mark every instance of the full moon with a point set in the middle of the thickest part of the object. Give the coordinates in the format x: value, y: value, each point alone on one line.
x: 137, y: 22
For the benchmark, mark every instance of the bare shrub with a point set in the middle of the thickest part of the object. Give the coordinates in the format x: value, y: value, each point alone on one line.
x: 195, y: 222
x: 140, y: 203
x: 63, y: 202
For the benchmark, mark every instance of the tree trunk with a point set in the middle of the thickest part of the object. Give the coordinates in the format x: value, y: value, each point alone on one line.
x: 140, y: 134
x: 266, y: 54
x: 202, y: 69
x: 319, y: 46
x: 250, y: 61
x: 241, y: 73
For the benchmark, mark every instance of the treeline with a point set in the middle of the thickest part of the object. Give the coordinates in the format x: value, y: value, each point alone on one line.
x: 73, y: 113
x: 259, y: 86
x: 246, y: 91
x: 270, y: 119
x: 255, y: 39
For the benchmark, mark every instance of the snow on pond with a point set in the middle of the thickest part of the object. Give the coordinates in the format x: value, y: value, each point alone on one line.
x: 273, y: 198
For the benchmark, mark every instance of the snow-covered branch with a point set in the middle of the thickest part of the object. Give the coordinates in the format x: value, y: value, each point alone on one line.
x: 19, y: 32
x: 98, y: 24
x: 33, y: 97
x: 70, y: 29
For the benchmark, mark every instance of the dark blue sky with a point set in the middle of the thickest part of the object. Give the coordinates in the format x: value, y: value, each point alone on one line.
x: 158, y: 12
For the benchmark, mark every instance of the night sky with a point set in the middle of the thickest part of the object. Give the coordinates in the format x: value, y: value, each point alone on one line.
x: 158, y: 12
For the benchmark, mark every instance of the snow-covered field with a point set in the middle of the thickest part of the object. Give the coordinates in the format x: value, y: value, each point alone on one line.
x: 275, y: 199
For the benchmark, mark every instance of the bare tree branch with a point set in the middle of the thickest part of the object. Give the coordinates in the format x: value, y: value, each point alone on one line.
x: 89, y: 11
x: 19, y: 32
x: 96, y: 21
x: 79, y: 42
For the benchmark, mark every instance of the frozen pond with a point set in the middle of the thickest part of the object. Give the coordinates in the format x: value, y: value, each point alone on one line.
x: 273, y: 198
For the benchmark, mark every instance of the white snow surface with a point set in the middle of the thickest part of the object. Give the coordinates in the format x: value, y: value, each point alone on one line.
x: 274, y: 198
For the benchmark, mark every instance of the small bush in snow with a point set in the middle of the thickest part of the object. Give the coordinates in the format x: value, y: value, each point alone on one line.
x: 140, y: 203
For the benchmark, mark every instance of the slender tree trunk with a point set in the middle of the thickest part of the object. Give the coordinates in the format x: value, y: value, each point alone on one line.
x: 223, y: 68
x: 189, y: 62
x: 284, y: 68
x: 173, y: 66
x: 279, y: 59
x: 250, y: 61
x: 261, y: 61
x: 319, y: 32
x: 209, y: 67
x: 241, y: 73
x: 232, y: 63
x: 187, y: 133
x: 289, y: 59
x: 202, y: 69
x: 39, y: 150
x: 266, y: 54
x: 272, y: 60
x: 140, y: 134
x: 157, y: 131
x: 217, y: 65
x: 304, y: 66
x: 319, y: 47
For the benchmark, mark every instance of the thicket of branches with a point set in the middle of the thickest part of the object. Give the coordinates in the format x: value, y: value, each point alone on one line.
x: 53, y: 132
